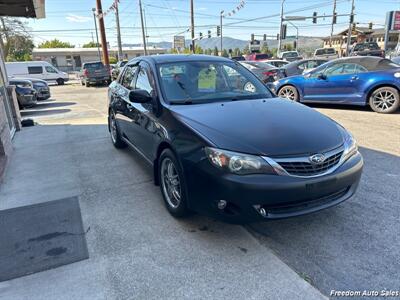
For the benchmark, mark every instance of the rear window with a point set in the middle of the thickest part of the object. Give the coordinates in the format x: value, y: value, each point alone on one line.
x: 366, y: 46
x: 94, y: 66
x: 262, y: 56
x: 290, y: 54
x: 330, y: 51
x: 35, y: 70
x: 320, y: 52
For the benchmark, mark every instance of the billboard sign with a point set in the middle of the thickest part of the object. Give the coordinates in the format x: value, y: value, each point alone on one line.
x: 179, y: 42
x: 393, y: 20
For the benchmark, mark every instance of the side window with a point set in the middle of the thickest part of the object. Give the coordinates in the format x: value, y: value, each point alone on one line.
x: 302, y: 66
x: 143, y: 82
x: 348, y: 69
x: 50, y: 69
x: 360, y: 69
x: 35, y: 70
x: 336, y: 69
x: 128, y: 77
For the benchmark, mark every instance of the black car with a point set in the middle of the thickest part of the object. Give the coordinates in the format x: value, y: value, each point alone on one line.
x: 26, y: 94
x: 220, y: 144
x: 238, y: 58
x: 300, y: 66
x: 367, y: 49
x: 94, y: 73
x: 117, y: 69
x: 41, y: 87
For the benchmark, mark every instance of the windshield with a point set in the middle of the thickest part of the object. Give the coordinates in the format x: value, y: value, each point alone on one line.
x: 366, y: 46
x: 290, y: 54
x: 209, y: 81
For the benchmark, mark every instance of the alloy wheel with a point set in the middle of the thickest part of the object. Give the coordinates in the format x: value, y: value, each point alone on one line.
x: 288, y: 93
x: 113, y: 128
x: 384, y: 100
x: 170, y: 183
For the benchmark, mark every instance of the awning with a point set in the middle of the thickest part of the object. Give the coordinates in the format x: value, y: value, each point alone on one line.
x: 23, y: 8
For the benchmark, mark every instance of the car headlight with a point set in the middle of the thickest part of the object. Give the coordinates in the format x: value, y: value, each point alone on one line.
x: 397, y: 74
x: 350, y: 146
x: 238, y: 163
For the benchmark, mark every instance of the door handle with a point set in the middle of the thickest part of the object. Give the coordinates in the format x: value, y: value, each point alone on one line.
x: 354, y: 78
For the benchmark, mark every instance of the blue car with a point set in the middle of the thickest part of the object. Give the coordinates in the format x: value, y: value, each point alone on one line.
x: 372, y: 81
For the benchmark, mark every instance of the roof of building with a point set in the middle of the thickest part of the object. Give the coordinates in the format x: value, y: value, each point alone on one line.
x: 362, y: 30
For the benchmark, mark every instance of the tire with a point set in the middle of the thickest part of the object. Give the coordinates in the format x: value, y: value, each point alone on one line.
x: 82, y: 82
x: 114, y: 132
x: 288, y: 92
x: 384, y: 100
x: 60, y: 81
x: 87, y: 84
x: 172, y: 184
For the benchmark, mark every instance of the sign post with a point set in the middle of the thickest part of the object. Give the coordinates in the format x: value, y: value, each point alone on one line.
x: 179, y: 43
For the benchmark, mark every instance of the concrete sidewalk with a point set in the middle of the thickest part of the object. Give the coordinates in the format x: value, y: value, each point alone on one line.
x: 137, y: 250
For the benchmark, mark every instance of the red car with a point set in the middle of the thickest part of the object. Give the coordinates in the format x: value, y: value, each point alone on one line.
x: 257, y: 56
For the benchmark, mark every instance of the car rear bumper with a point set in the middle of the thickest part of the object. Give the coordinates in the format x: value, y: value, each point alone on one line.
x: 279, y: 196
x: 98, y: 79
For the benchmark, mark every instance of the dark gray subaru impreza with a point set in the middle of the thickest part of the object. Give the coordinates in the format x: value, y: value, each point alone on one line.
x: 222, y: 145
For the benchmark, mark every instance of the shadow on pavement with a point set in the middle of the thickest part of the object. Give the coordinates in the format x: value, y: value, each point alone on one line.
x: 353, y: 246
x: 48, y: 112
x: 52, y: 104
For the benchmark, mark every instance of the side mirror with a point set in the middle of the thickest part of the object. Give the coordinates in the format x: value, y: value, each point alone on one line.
x: 321, y: 76
x: 139, y: 96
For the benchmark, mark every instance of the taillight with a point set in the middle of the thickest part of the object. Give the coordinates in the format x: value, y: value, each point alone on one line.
x: 269, y: 73
x: 85, y: 72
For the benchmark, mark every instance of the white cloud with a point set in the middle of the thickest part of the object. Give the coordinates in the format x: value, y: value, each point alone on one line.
x: 77, y: 19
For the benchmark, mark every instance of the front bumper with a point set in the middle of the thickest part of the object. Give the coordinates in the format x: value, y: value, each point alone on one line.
x: 27, y: 100
x: 279, y: 196
x: 43, y: 93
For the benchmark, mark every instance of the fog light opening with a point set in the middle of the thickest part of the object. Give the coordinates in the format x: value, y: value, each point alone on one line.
x: 261, y: 210
x: 222, y: 204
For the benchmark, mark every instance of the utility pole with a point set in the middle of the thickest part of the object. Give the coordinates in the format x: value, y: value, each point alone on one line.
x: 97, y: 34
x: 192, y: 24
x: 280, y: 27
x: 102, y: 33
x: 350, y: 25
x: 220, y: 23
x: 120, y: 55
x: 143, y: 33
x: 333, y: 21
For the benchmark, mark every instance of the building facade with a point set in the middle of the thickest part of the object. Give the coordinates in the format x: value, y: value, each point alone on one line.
x: 71, y: 59
x: 359, y: 35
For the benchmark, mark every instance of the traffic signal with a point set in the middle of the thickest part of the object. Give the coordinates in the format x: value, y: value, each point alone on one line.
x: 209, y: 34
x: 295, y: 44
x: 314, y: 19
x: 334, y: 18
x: 283, y: 31
x: 353, y: 27
x: 200, y: 35
x: 218, y: 31
x: 277, y: 36
x: 370, y: 24
x: 352, y: 18
x: 265, y: 37
x: 252, y: 37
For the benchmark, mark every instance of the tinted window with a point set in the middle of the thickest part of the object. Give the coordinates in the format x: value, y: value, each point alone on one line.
x: 360, y: 69
x: 330, y: 51
x: 128, y: 77
x: 320, y: 52
x: 290, y: 54
x: 143, y: 82
x: 262, y: 56
x: 204, y: 81
x: 93, y: 66
x: 340, y: 69
x: 35, y: 70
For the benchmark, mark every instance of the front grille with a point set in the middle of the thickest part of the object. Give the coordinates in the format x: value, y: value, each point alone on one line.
x: 302, y: 167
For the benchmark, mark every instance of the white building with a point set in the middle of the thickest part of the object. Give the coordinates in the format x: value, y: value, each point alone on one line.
x: 71, y: 59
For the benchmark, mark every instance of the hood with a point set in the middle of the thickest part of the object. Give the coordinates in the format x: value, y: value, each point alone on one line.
x: 272, y: 127
x: 33, y: 80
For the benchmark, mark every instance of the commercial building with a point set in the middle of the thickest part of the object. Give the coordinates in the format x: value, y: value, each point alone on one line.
x: 71, y: 59
x: 359, y: 35
x: 8, y: 105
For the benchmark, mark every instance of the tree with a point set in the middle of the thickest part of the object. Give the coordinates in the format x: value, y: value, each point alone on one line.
x: 225, y: 53
x: 88, y: 45
x: 112, y: 60
x: 15, y: 40
x: 265, y: 49
x: 246, y: 50
x: 215, y: 52
x: 237, y: 52
x: 198, y: 50
x: 55, y: 43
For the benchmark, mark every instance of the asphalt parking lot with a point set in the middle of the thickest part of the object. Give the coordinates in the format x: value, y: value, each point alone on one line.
x: 352, y: 246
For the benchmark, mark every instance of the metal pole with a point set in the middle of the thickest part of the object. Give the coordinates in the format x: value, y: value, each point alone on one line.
x: 192, y: 24
x: 297, y: 33
x: 97, y: 34
x: 220, y: 23
x: 102, y: 33
x: 120, y: 55
x: 333, y: 16
x: 349, y: 32
x: 143, y: 33
x: 280, y: 28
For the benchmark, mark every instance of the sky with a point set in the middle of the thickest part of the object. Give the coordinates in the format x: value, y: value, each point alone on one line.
x: 72, y: 20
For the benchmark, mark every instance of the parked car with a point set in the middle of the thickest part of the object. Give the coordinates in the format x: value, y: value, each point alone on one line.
x: 396, y: 60
x: 300, y: 66
x: 326, y: 53
x: 367, y: 49
x: 40, y: 86
x: 289, y: 55
x: 117, y: 69
x: 362, y: 81
x: 238, y: 58
x: 267, y: 73
x: 26, y: 94
x: 276, y: 62
x: 36, y: 69
x: 257, y: 56
x: 94, y: 73
x: 220, y: 144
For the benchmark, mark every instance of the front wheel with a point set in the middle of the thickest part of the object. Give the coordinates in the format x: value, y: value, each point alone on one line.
x: 172, y: 184
x: 60, y: 81
x: 114, y: 132
x: 288, y: 92
x: 384, y: 100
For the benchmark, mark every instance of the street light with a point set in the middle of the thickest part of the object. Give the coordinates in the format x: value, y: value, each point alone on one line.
x: 97, y: 35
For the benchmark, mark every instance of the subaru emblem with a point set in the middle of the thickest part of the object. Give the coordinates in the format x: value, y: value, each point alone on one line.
x: 317, y: 159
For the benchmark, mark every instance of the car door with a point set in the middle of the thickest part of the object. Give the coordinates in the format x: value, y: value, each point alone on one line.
x: 141, y: 117
x: 337, y: 84
x: 51, y: 73
x: 120, y: 98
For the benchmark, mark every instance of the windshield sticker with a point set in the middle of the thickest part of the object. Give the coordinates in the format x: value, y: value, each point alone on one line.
x: 207, y: 80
